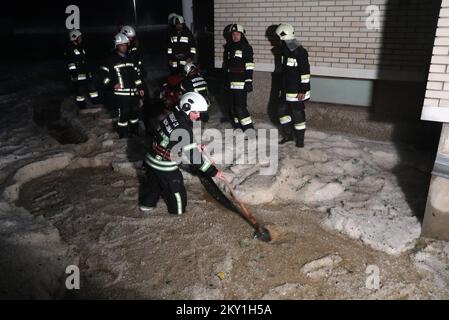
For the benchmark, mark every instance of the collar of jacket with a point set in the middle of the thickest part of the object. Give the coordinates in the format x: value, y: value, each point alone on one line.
x: 292, y: 45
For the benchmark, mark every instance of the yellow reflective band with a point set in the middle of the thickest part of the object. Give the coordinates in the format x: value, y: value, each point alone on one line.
x: 292, y: 62
x: 80, y: 98
x: 122, y: 124
x: 134, y: 120
x: 82, y: 76
x: 107, y: 80
x: 138, y: 82
x: 105, y: 69
x: 161, y: 163
x: 76, y: 52
x: 72, y: 66
x: 292, y: 97
x: 93, y: 94
x: 300, y: 126
x: 246, y: 121
x: 169, y: 50
x: 249, y: 66
x: 285, y: 119
x: 206, y: 165
x: 151, y: 164
x: 305, y: 78
x: 178, y: 202
x: 237, y: 85
x: 190, y: 146
x: 193, y: 50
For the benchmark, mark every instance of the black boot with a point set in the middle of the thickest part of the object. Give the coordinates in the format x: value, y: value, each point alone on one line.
x: 286, y: 139
x: 122, y: 132
x: 300, y: 138
x: 286, y: 135
x: 134, y: 129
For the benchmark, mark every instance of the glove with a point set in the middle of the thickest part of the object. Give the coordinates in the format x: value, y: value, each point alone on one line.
x: 248, y: 86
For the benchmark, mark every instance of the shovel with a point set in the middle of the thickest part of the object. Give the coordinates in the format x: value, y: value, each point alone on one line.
x: 261, y: 232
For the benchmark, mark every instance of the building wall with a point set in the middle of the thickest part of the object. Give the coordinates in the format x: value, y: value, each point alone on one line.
x: 336, y: 35
x: 436, y: 108
x: 436, y: 103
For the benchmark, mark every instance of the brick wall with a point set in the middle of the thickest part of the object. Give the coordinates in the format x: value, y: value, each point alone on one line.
x: 437, y: 94
x: 336, y: 35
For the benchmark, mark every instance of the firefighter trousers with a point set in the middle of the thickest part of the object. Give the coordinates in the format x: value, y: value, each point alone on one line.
x: 166, y: 184
x: 128, y: 114
x: 239, y: 111
x: 84, y: 88
x: 292, y: 117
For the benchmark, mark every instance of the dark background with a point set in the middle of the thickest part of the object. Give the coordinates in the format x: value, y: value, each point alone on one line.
x: 36, y: 30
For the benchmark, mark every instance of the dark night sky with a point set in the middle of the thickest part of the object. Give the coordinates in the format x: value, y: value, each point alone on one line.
x: 36, y: 30
x: 93, y: 12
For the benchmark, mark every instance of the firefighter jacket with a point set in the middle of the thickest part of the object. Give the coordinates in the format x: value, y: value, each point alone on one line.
x: 295, y: 73
x: 123, y: 71
x: 194, y: 82
x: 181, y: 46
x: 238, y: 64
x: 167, y: 147
x: 77, y: 62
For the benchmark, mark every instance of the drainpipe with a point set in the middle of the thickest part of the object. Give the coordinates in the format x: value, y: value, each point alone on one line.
x: 436, y: 217
x: 187, y: 13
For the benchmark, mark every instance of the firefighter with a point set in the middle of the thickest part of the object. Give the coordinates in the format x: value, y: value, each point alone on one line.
x: 79, y: 70
x: 163, y: 177
x: 170, y: 20
x: 239, y: 66
x: 120, y: 73
x: 136, y: 54
x: 181, y: 46
x: 295, y: 86
x: 194, y: 82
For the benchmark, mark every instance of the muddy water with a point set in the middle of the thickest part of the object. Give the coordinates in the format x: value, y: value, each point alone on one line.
x: 207, y: 253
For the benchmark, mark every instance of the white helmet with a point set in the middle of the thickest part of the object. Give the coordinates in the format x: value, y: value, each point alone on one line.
x: 236, y: 28
x: 74, y: 34
x: 193, y: 101
x: 285, y: 32
x: 171, y: 16
x: 128, y: 31
x: 189, y: 67
x: 120, y: 38
x: 178, y: 19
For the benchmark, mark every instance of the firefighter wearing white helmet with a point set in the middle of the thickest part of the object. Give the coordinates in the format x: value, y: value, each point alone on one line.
x: 295, y: 86
x: 285, y: 32
x: 174, y: 136
x: 129, y: 32
x: 74, y: 35
x: 195, y: 82
x: 136, y: 55
x: 181, y: 47
x: 121, y: 76
x: 238, y: 66
x: 80, y: 74
x: 170, y: 17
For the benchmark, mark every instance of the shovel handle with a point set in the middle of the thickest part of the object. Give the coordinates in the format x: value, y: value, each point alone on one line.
x: 245, y: 211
